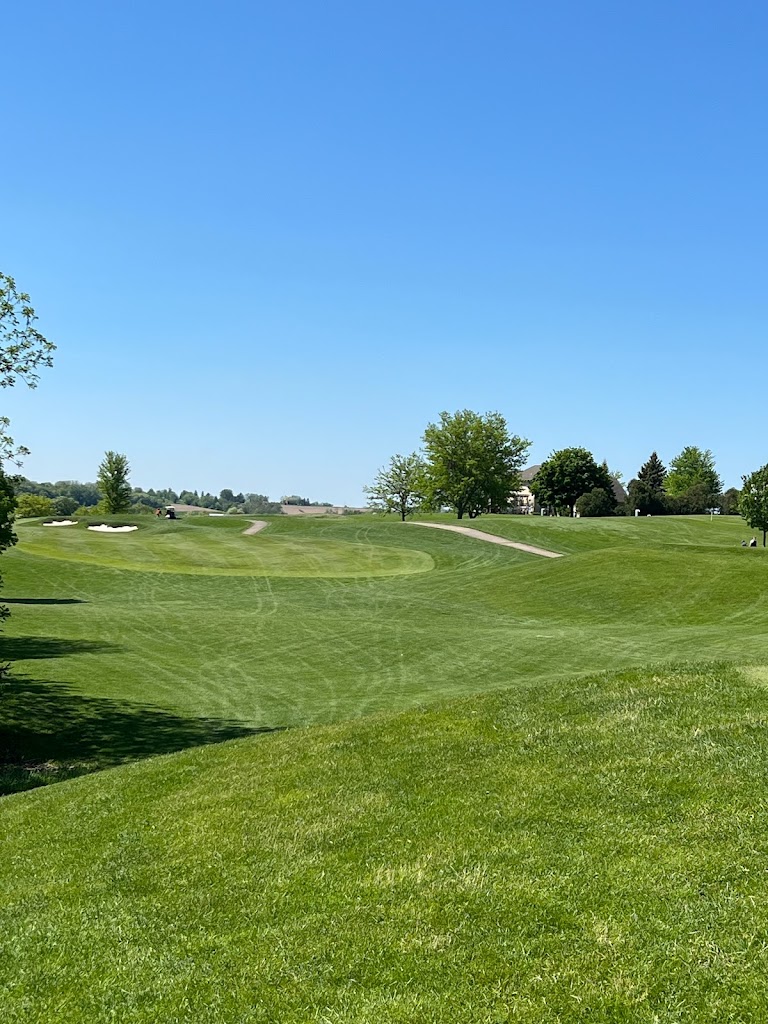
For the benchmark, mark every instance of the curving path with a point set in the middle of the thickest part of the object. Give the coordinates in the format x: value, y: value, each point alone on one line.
x: 256, y: 525
x: 479, y: 535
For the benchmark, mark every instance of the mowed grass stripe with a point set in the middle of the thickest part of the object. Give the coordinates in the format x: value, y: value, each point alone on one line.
x: 176, y: 548
x: 233, y: 652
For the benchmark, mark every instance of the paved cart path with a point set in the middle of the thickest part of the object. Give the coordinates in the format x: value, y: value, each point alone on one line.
x: 256, y: 525
x: 479, y: 535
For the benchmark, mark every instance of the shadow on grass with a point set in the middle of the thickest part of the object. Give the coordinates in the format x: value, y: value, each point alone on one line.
x: 42, y: 600
x: 28, y: 648
x: 48, y: 733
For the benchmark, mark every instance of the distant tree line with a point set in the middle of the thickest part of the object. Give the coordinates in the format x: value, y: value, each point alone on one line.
x: 472, y: 464
x: 71, y: 497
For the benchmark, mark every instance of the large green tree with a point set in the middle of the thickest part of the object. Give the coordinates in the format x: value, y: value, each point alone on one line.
x: 753, y: 503
x: 116, y: 492
x: 23, y: 351
x: 690, y: 468
x: 399, y: 486
x: 473, y: 462
x: 566, y: 475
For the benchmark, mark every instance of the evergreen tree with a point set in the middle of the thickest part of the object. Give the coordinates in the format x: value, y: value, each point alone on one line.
x: 653, y: 473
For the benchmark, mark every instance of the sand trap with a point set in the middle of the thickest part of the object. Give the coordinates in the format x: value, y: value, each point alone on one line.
x: 112, y: 529
x: 64, y: 522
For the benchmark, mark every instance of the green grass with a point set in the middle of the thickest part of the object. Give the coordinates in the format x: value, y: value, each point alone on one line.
x: 561, y: 853
x: 180, y: 633
x: 549, y: 845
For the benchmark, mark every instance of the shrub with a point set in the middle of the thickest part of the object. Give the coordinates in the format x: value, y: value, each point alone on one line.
x: 31, y: 505
x: 597, y: 502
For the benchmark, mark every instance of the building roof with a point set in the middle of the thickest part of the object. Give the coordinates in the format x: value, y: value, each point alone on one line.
x: 529, y: 473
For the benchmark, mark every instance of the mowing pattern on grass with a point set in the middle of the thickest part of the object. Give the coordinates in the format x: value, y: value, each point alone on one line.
x: 467, y: 531
x: 592, y: 852
x: 175, y: 548
x: 258, y: 651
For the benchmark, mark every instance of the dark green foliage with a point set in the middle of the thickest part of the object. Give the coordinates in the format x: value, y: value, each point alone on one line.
x: 113, y: 483
x: 7, y: 535
x: 399, y: 486
x: 64, y: 505
x: 595, y: 503
x: 7, y: 511
x: 753, y: 503
x: 653, y: 473
x: 82, y: 494
x: 473, y: 462
x: 695, y: 501
x: 260, y: 505
x: 647, y: 499
x: 730, y: 502
x: 566, y: 475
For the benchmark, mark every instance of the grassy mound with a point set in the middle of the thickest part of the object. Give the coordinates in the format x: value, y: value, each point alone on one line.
x: 591, y: 851
x: 176, y: 547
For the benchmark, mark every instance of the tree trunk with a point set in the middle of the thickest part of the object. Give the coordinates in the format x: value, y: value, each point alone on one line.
x: 764, y: 532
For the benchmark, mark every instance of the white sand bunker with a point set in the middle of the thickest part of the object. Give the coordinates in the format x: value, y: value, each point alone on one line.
x: 63, y: 522
x: 112, y: 529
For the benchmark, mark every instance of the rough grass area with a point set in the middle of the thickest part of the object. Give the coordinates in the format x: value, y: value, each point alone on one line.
x: 179, y: 634
x: 584, y: 851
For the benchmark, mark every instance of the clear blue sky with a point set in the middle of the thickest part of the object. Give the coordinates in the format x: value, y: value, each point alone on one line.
x: 272, y: 241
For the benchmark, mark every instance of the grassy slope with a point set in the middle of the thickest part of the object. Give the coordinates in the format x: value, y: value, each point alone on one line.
x: 569, y: 853
x: 115, y: 660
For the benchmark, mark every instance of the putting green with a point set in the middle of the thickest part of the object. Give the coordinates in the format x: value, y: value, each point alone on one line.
x: 175, y: 548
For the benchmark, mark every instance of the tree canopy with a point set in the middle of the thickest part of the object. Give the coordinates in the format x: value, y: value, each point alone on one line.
x: 566, y: 475
x: 473, y: 462
x: 690, y: 468
x: 753, y: 503
x: 399, y: 486
x: 653, y: 473
x: 595, y: 503
x: 116, y: 493
x: 23, y: 351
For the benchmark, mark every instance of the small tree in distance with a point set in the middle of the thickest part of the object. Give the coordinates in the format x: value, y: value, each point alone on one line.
x: 116, y: 493
x: 753, y: 503
x: 398, y: 487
